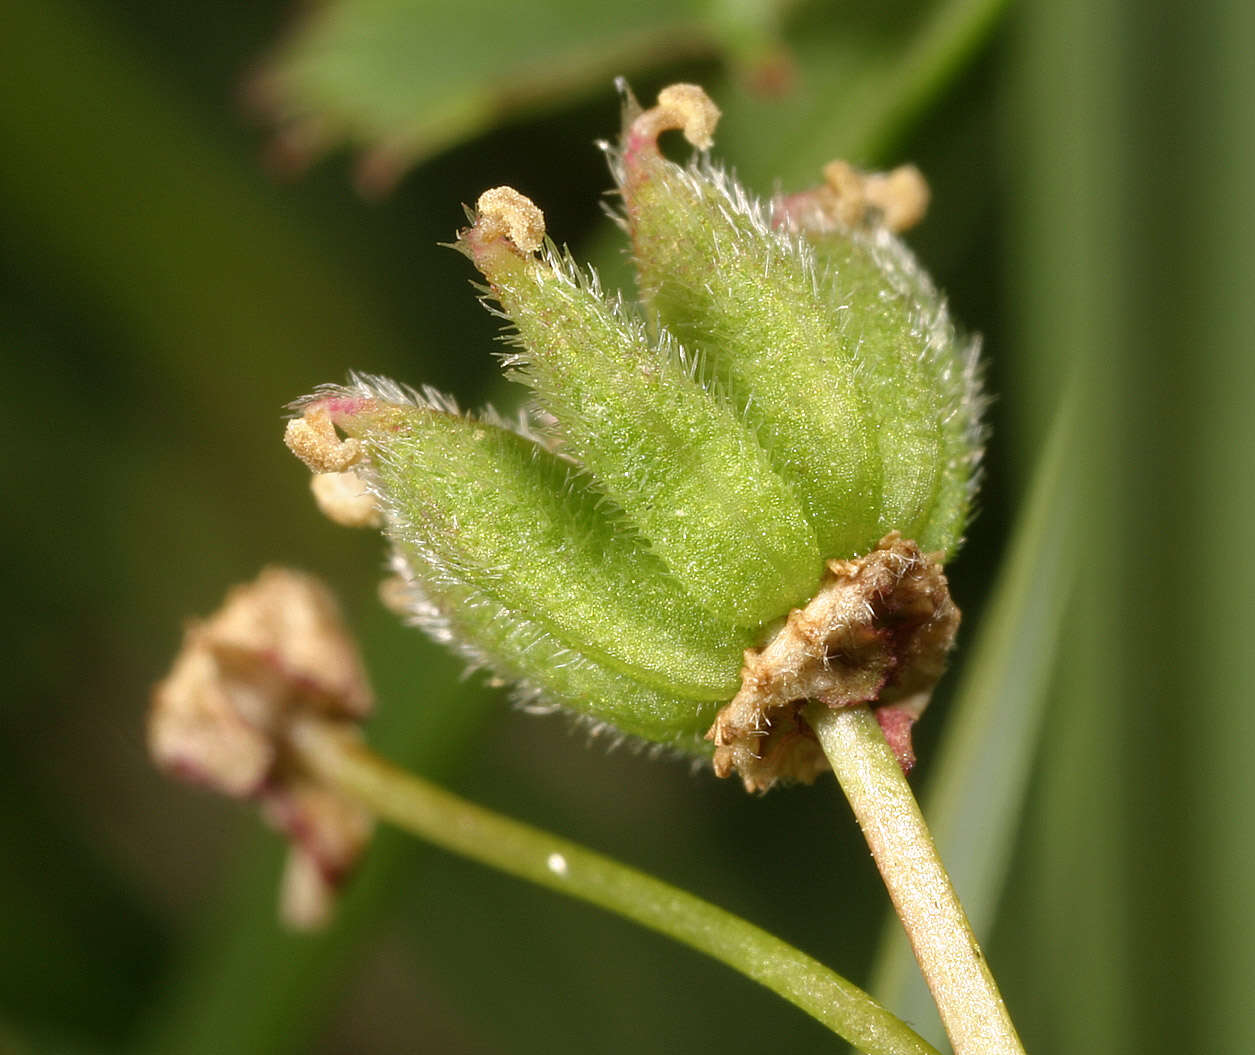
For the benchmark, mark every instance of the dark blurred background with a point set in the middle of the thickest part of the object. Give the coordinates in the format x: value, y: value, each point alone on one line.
x: 171, y: 275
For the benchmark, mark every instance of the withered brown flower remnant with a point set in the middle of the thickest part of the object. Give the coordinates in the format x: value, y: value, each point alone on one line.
x: 850, y: 198
x: 877, y: 632
x: 276, y: 653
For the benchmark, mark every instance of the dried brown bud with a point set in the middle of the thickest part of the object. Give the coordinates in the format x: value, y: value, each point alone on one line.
x: 901, y: 195
x: 277, y: 652
x: 197, y: 731
x: 328, y: 834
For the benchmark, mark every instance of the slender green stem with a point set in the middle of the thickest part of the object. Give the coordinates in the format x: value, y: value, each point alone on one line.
x: 454, y: 824
x: 979, y: 772
x: 971, y: 1008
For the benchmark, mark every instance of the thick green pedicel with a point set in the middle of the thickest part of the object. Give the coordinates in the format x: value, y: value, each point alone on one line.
x: 499, y: 512
x: 671, y: 452
x: 846, y: 369
x: 548, y: 673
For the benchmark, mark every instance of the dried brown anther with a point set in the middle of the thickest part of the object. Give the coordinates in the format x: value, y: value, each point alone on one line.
x: 345, y: 499
x: 849, y: 197
x: 877, y: 632
x: 276, y: 653
x: 683, y: 108
x: 503, y: 211
x: 313, y: 438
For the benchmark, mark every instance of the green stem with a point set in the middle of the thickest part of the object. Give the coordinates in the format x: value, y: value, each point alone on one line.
x: 454, y: 824
x: 967, y: 998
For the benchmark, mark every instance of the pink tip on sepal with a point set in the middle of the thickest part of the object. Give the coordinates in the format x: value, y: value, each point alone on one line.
x: 681, y: 107
x: 896, y: 723
x: 346, y: 406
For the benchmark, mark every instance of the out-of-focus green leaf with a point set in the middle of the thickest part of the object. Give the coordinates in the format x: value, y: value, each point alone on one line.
x: 406, y: 78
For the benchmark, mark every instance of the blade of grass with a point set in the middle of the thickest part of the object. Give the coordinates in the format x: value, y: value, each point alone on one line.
x: 1217, y: 306
x: 1066, y: 934
x: 1012, y: 703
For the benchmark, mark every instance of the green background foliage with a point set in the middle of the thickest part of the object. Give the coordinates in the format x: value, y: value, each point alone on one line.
x: 163, y: 295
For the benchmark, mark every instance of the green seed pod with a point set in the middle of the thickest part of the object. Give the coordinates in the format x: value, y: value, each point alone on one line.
x: 546, y: 673
x: 660, y: 442
x: 835, y: 346
x: 731, y: 511
x: 476, y: 503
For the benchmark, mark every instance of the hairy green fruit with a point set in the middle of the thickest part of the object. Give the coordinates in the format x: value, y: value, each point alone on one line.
x: 677, y: 458
x: 834, y: 346
x: 791, y: 398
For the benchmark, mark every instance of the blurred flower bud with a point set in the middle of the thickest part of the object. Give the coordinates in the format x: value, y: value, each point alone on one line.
x: 277, y: 652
